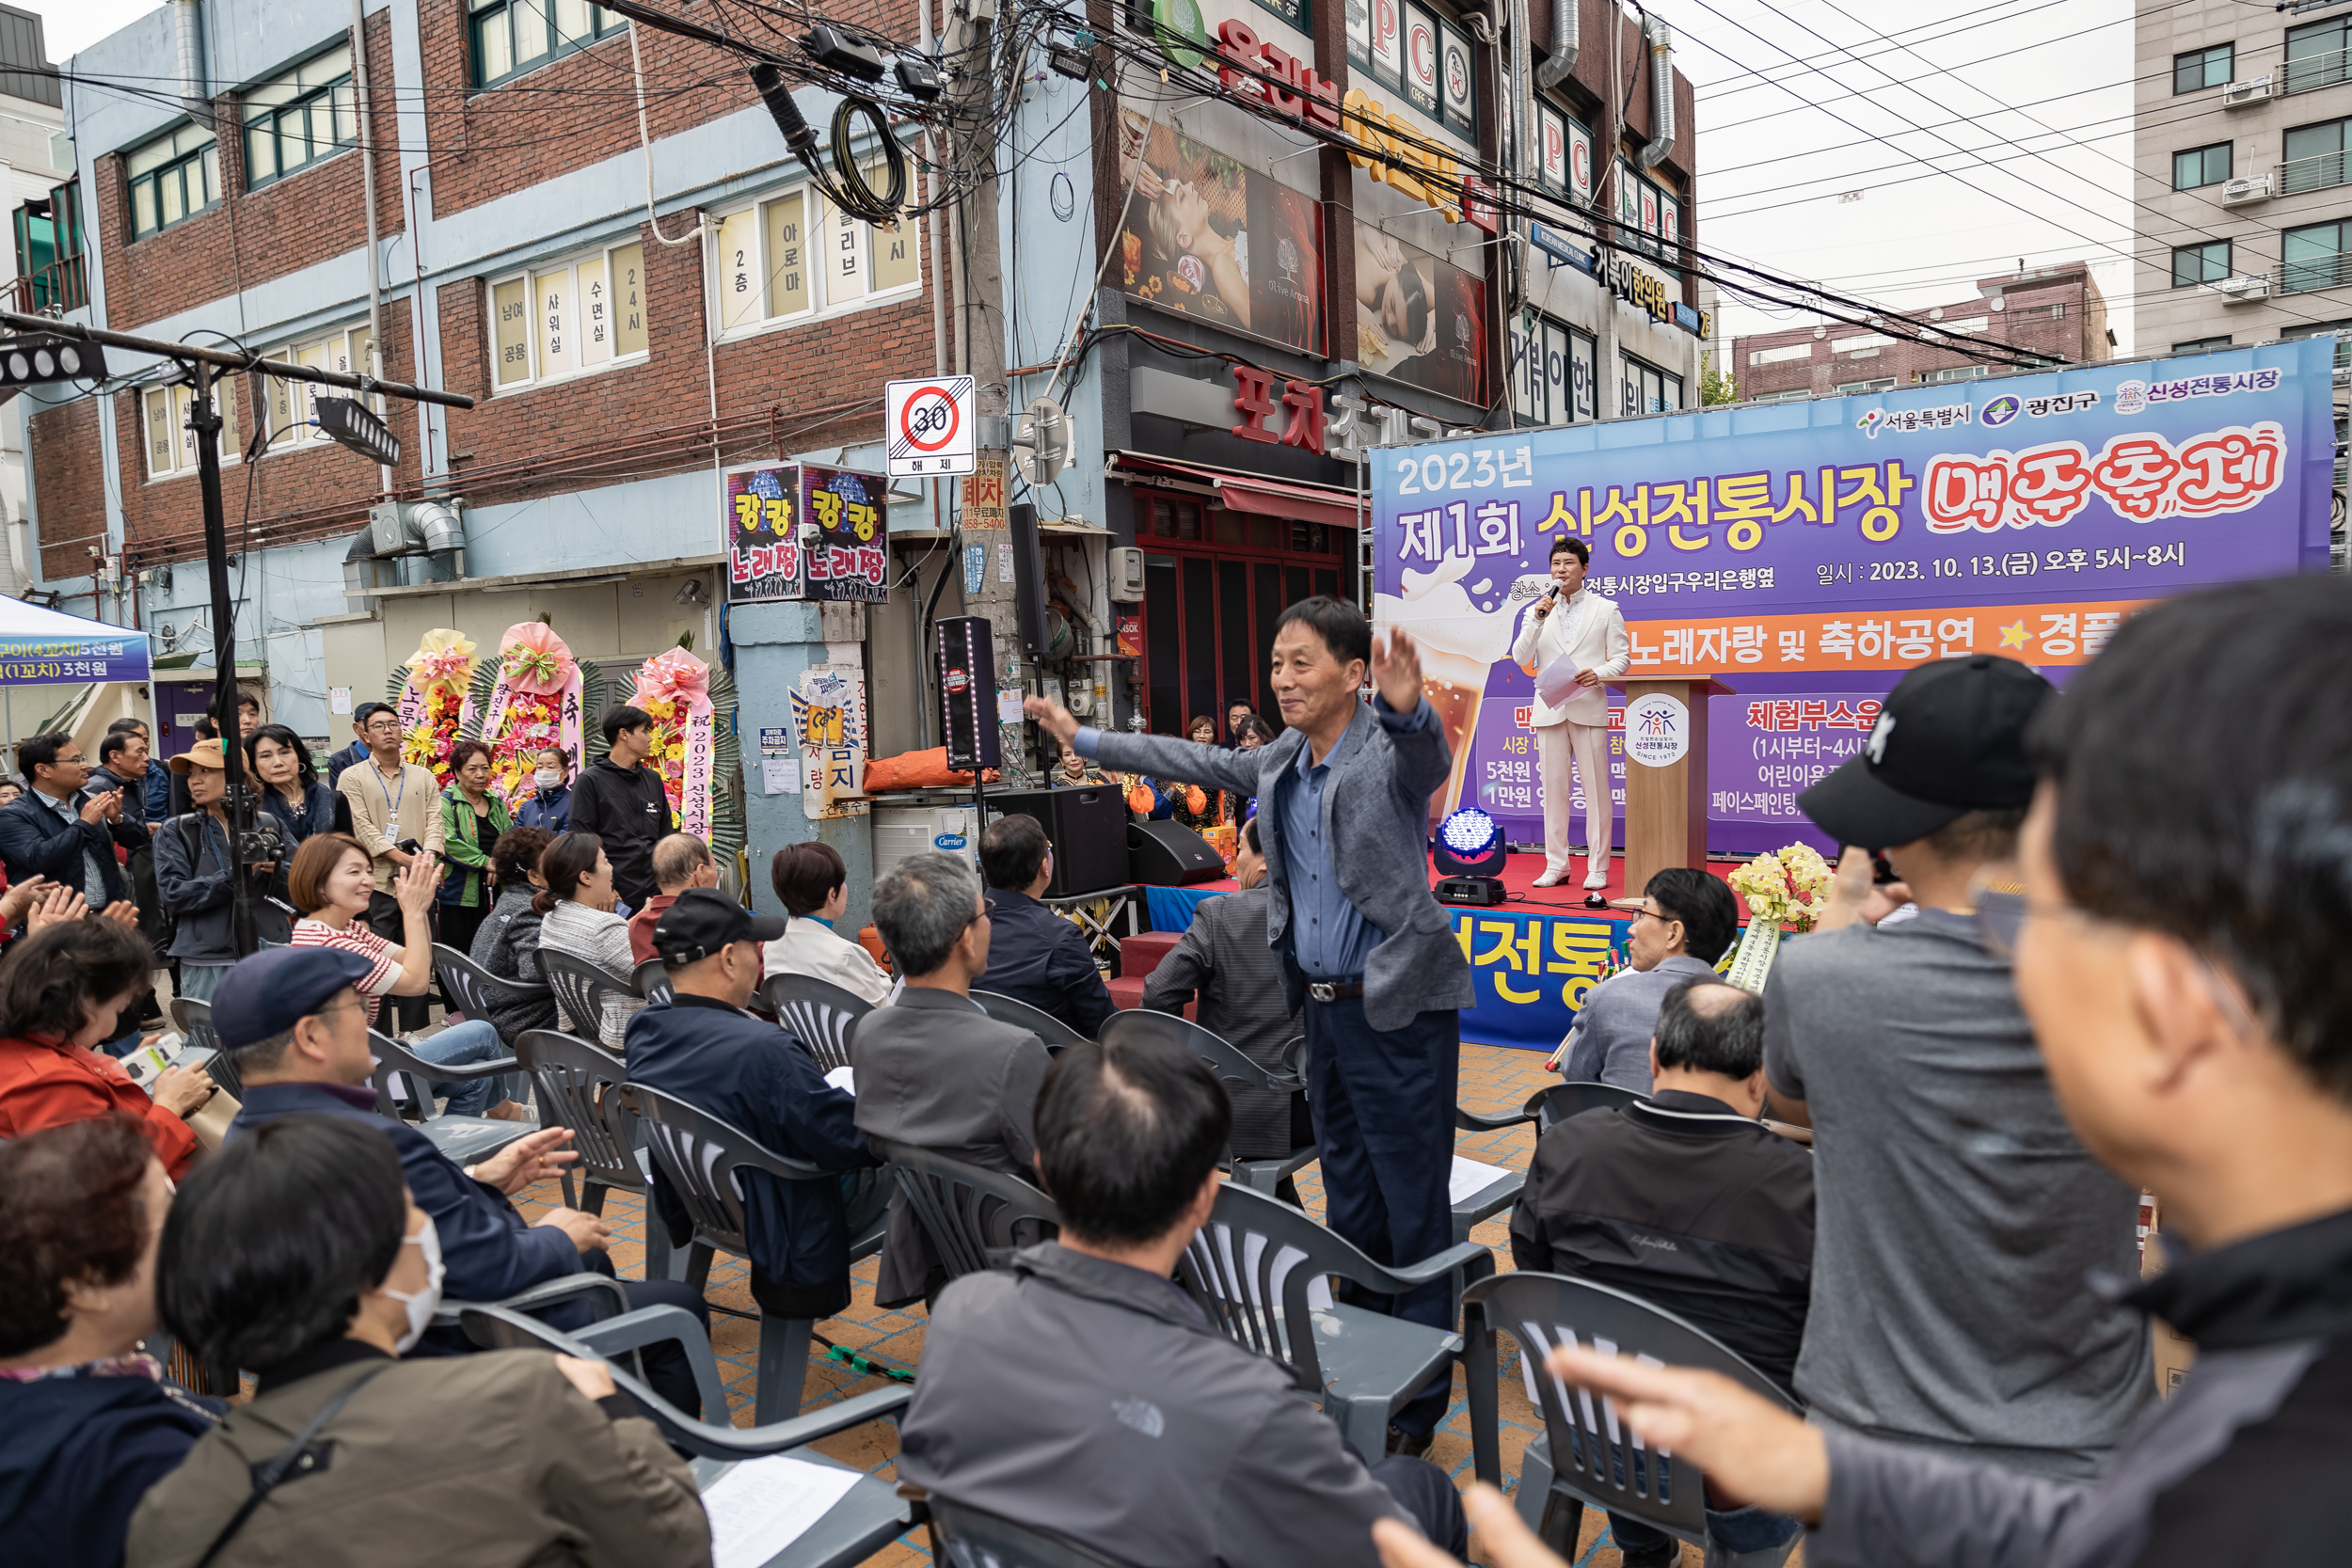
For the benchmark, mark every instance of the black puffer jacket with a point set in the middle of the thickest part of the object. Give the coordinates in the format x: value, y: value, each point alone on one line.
x: 507, y: 945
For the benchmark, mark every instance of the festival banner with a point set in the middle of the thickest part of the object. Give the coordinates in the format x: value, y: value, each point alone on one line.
x: 2027, y: 516
x: 1533, y: 972
x: 1210, y: 237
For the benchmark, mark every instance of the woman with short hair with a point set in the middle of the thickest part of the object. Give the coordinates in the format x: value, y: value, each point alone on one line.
x: 507, y: 943
x: 297, y: 1253
x: 813, y: 884
x: 87, y: 1420
x: 61, y: 990
x: 472, y: 820
x: 575, y: 906
x: 331, y: 882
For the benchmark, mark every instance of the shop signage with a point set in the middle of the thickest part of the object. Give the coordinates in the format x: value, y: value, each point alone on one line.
x: 804, y: 530
x: 1301, y: 403
x: 1625, y: 278
x: 984, y: 495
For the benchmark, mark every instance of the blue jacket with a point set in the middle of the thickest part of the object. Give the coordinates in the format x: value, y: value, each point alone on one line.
x: 36, y: 842
x: 355, y: 752
x: 550, y: 809
x: 488, y: 1250
x: 158, y: 793
x: 77, y: 1454
x: 757, y: 1077
x: 1037, y: 957
x: 317, y: 814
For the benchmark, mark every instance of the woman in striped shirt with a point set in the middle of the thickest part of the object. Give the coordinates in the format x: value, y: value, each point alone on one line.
x: 331, y: 882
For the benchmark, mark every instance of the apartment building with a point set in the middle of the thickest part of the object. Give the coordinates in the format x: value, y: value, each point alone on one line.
x: 2055, y: 311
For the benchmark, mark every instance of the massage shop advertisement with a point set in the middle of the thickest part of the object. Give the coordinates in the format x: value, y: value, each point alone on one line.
x: 1847, y: 537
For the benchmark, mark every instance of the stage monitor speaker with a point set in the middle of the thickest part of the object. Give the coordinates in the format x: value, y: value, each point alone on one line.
x: 964, y: 662
x: 1168, y: 854
x: 1087, y: 827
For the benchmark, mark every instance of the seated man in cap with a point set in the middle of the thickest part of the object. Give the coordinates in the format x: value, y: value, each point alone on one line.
x: 293, y: 1021
x: 702, y: 1048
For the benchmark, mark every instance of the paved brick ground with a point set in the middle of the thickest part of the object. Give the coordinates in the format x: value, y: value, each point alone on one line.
x: 1492, y: 1079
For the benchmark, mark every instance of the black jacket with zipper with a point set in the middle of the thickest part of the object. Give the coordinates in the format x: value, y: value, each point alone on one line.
x: 627, y: 808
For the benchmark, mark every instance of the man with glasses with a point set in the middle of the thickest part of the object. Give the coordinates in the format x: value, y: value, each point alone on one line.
x: 1684, y: 921
x: 392, y: 803
x: 62, y: 830
x: 1958, y: 1212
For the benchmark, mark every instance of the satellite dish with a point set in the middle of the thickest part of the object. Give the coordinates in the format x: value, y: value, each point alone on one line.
x: 1042, y: 442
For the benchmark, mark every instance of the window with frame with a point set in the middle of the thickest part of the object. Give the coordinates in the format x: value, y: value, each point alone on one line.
x: 2316, y: 55
x: 1551, y: 371
x: 1880, y: 383
x: 1649, y: 218
x: 573, y: 318
x: 1418, y: 52
x: 1564, y: 153
x: 511, y: 38
x: 2314, y: 157
x: 2200, y: 69
x: 291, y: 407
x: 172, y: 179
x: 2200, y: 263
x: 1954, y: 372
x: 170, y: 444
x: 2313, y: 257
x: 2200, y: 166
x: 797, y: 257
x: 2204, y: 345
x: 312, y: 112
x: 1647, y: 389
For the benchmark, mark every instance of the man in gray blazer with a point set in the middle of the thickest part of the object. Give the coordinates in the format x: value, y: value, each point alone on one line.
x: 1223, y: 956
x: 932, y: 1070
x: 1345, y: 816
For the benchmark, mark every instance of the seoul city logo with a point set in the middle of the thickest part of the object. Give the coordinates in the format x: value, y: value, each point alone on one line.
x: 1999, y: 411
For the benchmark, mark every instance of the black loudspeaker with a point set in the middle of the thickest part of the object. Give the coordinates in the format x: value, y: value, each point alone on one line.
x: 964, y: 662
x: 1168, y: 854
x: 1087, y: 827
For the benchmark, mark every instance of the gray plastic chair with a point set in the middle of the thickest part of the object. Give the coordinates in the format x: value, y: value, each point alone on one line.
x: 970, y: 1538
x: 699, y: 1156
x: 1275, y: 1178
x: 473, y: 989
x: 1255, y: 1268
x: 818, y: 1014
x: 651, y: 980
x: 968, y: 1211
x: 463, y: 1140
x: 1058, y: 1036
x: 1588, y: 1457
x: 1548, y: 1107
x: 867, y: 1517
x: 581, y: 989
x: 194, y: 1020
x: 578, y: 1087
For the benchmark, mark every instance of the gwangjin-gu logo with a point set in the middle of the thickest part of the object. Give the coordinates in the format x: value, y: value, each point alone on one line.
x: 1999, y: 411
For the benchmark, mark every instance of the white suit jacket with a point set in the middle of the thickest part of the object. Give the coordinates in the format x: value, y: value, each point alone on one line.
x: 1589, y: 629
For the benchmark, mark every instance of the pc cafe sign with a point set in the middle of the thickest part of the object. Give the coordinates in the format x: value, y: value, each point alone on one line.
x: 1393, y: 152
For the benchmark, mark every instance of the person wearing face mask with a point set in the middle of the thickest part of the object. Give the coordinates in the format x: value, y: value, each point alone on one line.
x: 551, y: 804
x: 506, y: 1457
x: 293, y: 1021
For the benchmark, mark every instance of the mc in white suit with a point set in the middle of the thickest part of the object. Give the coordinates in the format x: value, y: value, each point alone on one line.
x: 1589, y: 630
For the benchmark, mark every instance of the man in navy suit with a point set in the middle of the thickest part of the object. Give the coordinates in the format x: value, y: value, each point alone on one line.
x: 59, y: 828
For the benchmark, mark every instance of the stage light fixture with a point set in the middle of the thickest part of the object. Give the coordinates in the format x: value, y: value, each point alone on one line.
x: 1468, y: 848
x: 351, y: 423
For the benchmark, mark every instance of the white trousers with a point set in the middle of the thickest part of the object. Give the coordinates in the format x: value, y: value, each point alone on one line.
x: 1588, y: 745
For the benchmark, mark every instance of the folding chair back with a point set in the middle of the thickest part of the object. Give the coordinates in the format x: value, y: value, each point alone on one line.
x: 968, y: 1211
x: 699, y: 1155
x: 1596, y: 1459
x: 194, y: 1020
x: 463, y: 1139
x: 968, y: 1538
x: 1058, y: 1036
x: 821, y: 1015
x: 578, y: 1085
x: 1556, y: 1104
x: 579, y: 989
x: 652, y: 981
x: 473, y: 989
x: 1225, y: 1059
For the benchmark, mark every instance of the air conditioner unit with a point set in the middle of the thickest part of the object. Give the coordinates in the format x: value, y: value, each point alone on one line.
x: 2252, y: 187
x: 2237, y: 95
x: 2241, y: 290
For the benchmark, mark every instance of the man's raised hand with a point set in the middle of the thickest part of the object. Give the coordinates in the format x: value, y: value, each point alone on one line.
x: 1396, y: 671
x: 1059, y: 721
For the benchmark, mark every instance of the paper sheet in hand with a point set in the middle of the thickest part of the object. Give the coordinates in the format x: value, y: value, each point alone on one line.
x: 763, y: 1505
x: 1557, y: 684
x: 1469, y: 1178
x: 844, y: 1079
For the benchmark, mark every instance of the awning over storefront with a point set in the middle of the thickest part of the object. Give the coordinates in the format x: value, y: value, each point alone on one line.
x: 1271, y: 497
x: 44, y: 647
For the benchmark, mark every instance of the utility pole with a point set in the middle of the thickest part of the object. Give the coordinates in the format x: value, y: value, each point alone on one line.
x: 985, y: 527
x: 237, y: 801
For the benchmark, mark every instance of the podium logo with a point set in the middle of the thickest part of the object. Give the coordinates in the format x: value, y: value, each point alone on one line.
x: 1657, y: 730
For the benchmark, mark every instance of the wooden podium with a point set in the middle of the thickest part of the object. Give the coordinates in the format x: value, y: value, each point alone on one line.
x: 1665, y: 805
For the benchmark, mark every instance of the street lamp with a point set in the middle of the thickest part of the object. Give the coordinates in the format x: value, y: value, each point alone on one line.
x: 351, y: 423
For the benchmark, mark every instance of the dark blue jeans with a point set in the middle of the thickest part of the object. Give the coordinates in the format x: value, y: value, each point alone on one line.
x: 1383, y: 1108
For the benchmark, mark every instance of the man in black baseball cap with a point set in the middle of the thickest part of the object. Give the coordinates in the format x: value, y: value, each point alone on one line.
x: 1956, y: 1212
x: 292, y: 1021
x: 704, y: 1049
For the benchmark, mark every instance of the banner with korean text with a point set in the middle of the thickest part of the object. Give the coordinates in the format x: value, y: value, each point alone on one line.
x: 2025, y: 517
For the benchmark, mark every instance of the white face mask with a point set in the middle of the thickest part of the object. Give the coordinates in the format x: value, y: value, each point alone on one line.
x: 421, y: 1304
x: 548, y: 778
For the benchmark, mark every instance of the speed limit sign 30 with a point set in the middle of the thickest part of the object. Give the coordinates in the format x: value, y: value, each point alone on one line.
x: 931, y: 426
